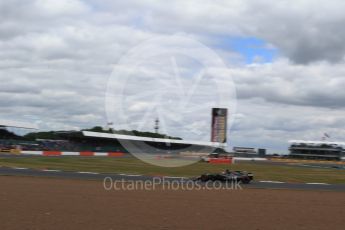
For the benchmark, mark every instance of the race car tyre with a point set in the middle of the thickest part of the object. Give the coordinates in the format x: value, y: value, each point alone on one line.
x: 245, y: 180
x: 204, y: 178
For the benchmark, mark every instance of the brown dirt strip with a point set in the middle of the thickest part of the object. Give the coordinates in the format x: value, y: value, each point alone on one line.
x: 41, y: 203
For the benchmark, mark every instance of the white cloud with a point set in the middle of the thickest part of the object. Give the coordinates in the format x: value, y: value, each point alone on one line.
x: 56, y: 57
x: 61, y: 7
x: 319, y: 85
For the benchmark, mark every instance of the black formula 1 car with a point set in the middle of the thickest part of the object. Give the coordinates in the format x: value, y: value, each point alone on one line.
x: 228, y: 176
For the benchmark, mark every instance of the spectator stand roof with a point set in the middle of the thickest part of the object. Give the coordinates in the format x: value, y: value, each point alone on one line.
x: 150, y: 139
x: 17, y: 124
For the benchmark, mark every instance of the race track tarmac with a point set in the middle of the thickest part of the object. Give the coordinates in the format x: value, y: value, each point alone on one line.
x: 15, y: 171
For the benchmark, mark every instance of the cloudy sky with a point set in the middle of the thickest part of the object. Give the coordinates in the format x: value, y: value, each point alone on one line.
x: 286, y: 60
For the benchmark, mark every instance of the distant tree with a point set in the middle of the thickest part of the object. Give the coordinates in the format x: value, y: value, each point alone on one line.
x: 5, y: 134
x: 51, y: 135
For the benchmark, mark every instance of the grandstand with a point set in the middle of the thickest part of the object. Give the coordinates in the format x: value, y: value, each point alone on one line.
x: 99, y: 140
x: 322, y: 150
x: 78, y: 141
x: 107, y: 142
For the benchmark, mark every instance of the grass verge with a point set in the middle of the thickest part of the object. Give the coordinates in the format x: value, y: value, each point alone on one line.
x: 131, y: 165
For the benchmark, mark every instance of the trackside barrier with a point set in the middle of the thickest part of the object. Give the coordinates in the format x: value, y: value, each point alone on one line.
x: 115, y: 154
x: 51, y: 153
x: 86, y: 154
x: 341, y: 162
x: 220, y: 161
x: 250, y: 159
x: 38, y: 153
x: 82, y: 154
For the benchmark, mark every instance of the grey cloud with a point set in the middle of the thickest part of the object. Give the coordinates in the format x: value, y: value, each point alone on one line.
x: 306, y: 31
x: 56, y: 58
x: 319, y: 85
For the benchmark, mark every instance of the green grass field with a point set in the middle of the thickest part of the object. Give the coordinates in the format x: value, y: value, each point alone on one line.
x: 261, y: 171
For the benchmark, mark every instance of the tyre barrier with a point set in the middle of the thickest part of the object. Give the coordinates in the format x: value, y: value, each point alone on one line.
x: 82, y: 154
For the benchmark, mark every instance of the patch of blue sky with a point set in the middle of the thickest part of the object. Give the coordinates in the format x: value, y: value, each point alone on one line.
x: 252, y: 49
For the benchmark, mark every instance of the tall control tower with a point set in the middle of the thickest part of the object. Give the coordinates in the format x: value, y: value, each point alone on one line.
x: 219, y: 125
